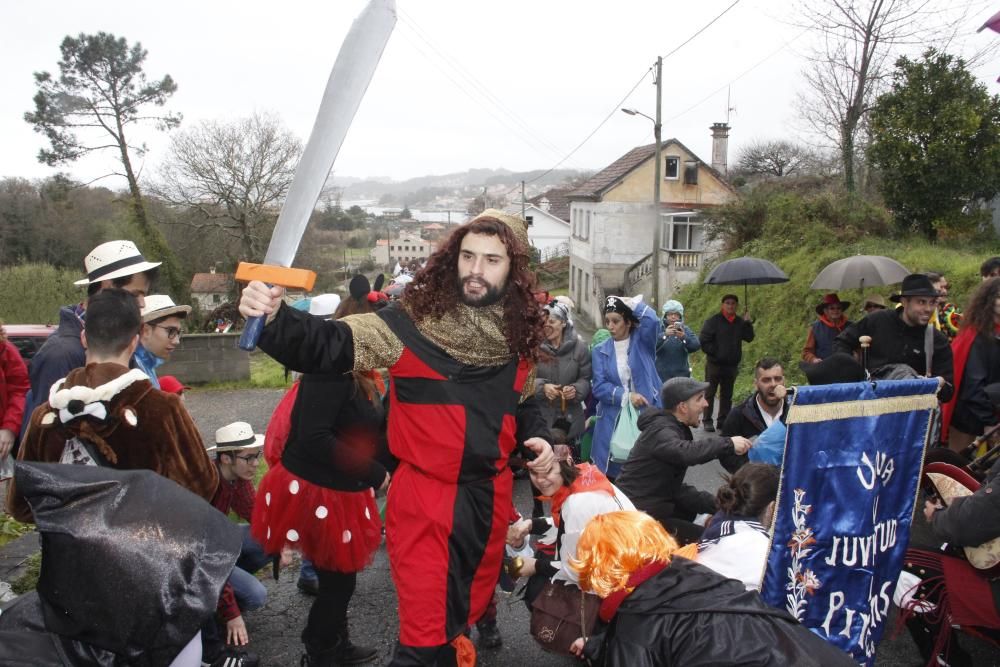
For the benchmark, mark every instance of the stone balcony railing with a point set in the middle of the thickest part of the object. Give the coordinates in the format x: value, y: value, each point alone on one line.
x: 675, y: 259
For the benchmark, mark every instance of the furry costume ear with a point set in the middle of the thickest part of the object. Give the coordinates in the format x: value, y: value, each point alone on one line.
x: 359, y: 287
x: 377, y: 287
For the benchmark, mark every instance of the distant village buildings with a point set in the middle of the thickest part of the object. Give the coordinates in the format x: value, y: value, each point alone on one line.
x: 406, y: 247
x: 211, y: 290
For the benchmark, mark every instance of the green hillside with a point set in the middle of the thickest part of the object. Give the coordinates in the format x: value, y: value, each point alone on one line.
x: 783, y: 312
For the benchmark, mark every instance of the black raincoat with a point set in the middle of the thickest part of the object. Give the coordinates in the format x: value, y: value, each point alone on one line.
x: 689, y: 615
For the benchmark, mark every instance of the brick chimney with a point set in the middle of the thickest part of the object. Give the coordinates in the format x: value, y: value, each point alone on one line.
x: 720, y: 147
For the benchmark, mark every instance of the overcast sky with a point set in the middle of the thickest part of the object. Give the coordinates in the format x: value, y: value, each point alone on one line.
x: 558, y: 67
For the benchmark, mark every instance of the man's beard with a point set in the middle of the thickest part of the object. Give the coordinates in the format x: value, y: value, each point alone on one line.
x: 492, y: 295
x: 770, y: 400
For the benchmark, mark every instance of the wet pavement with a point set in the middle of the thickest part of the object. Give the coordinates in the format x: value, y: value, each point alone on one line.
x: 275, y: 629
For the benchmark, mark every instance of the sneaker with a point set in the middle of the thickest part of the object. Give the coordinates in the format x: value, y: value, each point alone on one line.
x: 308, y: 586
x: 6, y: 594
x: 231, y: 657
x: 489, y: 634
x: 708, y: 426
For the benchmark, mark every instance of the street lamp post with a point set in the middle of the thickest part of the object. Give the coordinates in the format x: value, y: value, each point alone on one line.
x: 657, y: 128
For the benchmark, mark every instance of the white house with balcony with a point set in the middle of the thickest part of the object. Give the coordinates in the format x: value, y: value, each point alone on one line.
x: 612, y: 218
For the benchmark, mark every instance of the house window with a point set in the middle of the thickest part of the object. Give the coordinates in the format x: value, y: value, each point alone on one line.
x: 586, y: 288
x: 671, y: 168
x: 691, y: 172
x: 682, y: 233
x: 216, y: 298
x: 586, y: 228
x: 572, y: 279
x: 530, y: 219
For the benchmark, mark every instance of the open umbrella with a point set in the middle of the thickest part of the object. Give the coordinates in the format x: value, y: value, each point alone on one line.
x: 746, y: 271
x: 860, y: 271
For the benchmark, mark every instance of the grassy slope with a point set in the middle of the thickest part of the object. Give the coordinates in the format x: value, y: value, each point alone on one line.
x: 784, y: 311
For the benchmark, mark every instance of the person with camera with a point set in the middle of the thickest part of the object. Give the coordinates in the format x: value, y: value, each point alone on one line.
x: 675, y: 343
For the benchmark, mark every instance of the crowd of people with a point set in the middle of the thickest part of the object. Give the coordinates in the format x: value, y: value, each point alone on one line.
x: 437, y: 395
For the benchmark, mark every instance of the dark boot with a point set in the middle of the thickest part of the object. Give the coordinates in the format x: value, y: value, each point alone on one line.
x: 489, y: 634
x: 347, y: 653
x: 317, y: 658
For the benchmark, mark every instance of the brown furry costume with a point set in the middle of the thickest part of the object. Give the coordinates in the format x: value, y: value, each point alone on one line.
x: 129, y: 423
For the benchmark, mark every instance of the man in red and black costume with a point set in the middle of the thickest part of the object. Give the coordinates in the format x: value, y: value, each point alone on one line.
x: 460, y: 347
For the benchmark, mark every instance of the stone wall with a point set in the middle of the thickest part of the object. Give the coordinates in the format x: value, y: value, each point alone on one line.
x: 205, y: 358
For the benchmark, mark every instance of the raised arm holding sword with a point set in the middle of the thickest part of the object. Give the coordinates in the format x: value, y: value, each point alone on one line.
x: 460, y: 348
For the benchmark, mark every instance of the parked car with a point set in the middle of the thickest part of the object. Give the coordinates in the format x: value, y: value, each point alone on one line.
x: 28, y: 338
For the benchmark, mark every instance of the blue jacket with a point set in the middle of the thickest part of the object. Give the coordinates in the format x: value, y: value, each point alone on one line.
x: 672, y: 353
x: 608, y: 389
x: 147, y: 362
x: 60, y: 354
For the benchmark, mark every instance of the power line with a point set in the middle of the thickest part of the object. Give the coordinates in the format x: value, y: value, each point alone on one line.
x: 489, y: 100
x: 620, y: 103
x: 703, y: 29
x: 734, y: 80
x: 466, y: 91
x: 593, y: 132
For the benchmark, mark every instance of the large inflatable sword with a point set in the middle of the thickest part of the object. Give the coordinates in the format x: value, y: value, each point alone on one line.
x: 356, y: 63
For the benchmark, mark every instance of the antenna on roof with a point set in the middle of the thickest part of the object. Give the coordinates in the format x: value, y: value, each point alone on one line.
x: 729, y: 105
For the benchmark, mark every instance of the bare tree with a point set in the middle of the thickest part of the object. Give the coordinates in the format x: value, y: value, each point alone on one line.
x: 234, y: 176
x: 859, y: 40
x: 776, y: 158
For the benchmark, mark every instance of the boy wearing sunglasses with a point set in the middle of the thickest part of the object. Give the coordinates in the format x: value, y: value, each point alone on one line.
x: 162, y: 326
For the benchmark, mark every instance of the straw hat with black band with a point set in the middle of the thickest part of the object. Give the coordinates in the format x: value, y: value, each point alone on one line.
x: 159, y: 306
x: 114, y: 259
x: 235, y: 437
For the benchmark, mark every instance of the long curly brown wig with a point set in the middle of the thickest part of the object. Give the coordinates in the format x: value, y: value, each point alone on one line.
x: 978, y: 314
x: 433, y: 290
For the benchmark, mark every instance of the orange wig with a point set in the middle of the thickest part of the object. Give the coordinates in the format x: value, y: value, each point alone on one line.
x: 616, y: 544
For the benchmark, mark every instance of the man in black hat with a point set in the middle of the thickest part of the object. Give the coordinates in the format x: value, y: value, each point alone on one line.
x: 903, y: 335
x: 653, y: 476
x: 722, y: 337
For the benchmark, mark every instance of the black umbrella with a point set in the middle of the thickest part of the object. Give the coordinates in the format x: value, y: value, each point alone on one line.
x: 746, y: 271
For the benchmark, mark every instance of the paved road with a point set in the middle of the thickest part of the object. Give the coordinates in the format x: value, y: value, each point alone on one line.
x: 275, y: 629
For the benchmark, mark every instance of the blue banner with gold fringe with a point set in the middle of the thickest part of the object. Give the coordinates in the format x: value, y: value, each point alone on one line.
x: 842, y: 522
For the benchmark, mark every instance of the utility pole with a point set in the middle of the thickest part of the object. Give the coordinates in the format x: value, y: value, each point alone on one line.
x: 657, y: 241
x: 522, y: 201
x: 388, y: 244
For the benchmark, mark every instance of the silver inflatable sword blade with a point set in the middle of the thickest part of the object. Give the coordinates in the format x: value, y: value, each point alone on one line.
x: 359, y: 56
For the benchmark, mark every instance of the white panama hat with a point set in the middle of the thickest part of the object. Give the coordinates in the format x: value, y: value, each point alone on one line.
x: 114, y: 259
x: 159, y: 306
x: 238, y: 435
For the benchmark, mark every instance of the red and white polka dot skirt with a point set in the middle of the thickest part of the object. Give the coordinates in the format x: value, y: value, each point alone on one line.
x: 336, y: 530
